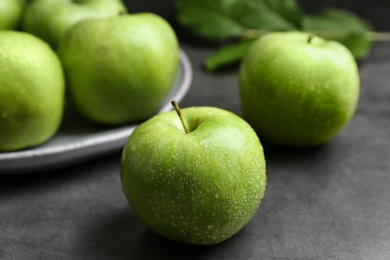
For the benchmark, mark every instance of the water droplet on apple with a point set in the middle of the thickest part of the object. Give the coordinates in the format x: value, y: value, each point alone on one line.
x: 204, y: 143
x: 210, y: 227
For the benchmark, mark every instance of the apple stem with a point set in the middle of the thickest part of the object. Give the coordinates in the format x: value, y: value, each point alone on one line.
x: 310, y: 38
x: 177, y: 108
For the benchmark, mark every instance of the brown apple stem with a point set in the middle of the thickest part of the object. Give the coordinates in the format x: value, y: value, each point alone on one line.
x: 78, y: 1
x: 177, y: 108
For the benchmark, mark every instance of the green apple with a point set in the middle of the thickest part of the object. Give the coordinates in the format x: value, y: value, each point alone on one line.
x: 10, y: 14
x: 196, y: 182
x: 50, y: 19
x: 31, y: 91
x: 120, y: 69
x: 298, y: 89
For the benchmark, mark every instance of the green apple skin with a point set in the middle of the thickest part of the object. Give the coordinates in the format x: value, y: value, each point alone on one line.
x: 50, y: 19
x: 119, y: 70
x: 32, y: 89
x: 199, y: 187
x: 298, y: 92
x: 10, y: 14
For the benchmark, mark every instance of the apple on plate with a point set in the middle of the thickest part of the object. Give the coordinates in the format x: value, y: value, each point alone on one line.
x: 10, y: 14
x: 31, y: 91
x: 50, y: 19
x: 197, y: 178
x: 120, y: 70
x: 298, y: 89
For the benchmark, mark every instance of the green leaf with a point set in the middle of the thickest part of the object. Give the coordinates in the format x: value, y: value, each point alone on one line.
x: 342, y: 26
x: 358, y: 44
x: 290, y: 10
x: 228, y: 55
x: 209, y: 19
x: 223, y: 19
x: 268, y: 15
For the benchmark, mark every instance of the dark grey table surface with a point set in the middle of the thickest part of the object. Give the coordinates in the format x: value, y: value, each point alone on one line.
x: 331, y: 202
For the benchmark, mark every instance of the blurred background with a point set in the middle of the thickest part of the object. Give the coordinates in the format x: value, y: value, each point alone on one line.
x: 224, y: 91
x: 377, y: 11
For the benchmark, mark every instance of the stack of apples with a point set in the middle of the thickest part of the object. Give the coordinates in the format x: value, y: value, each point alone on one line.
x: 117, y: 67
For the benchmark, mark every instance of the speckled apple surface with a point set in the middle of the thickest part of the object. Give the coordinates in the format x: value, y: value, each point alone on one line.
x: 199, y: 187
x: 297, y: 89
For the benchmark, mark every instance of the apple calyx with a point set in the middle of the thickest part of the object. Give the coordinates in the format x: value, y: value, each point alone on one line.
x: 78, y: 1
x: 177, y: 108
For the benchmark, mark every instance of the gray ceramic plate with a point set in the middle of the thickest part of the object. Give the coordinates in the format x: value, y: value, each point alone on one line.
x: 79, y: 140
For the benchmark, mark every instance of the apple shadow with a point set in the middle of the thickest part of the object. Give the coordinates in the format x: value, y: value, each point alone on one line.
x: 124, y: 236
x: 275, y: 152
x: 288, y: 165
